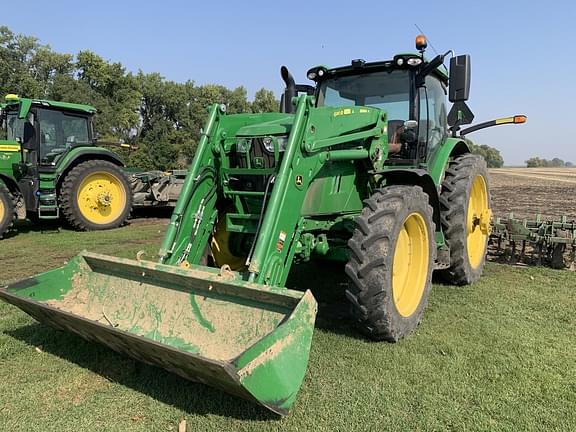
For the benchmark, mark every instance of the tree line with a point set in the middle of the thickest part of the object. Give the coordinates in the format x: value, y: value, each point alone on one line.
x: 162, y: 118
x: 536, y: 162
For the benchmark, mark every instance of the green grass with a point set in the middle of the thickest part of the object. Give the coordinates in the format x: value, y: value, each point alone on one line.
x: 498, y: 355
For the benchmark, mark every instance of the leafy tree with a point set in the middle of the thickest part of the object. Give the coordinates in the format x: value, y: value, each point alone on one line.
x: 490, y: 154
x: 29, y: 68
x: 264, y: 101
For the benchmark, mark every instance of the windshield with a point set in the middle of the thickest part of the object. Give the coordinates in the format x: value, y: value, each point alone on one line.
x: 59, y: 131
x: 14, y: 127
x: 387, y: 90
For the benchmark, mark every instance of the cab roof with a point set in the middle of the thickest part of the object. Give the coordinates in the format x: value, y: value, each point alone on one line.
x: 359, y: 64
x: 12, y: 100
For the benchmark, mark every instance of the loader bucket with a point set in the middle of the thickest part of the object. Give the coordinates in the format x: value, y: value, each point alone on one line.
x: 247, y: 339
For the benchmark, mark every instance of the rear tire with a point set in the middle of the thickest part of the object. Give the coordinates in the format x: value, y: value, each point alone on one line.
x: 96, y: 195
x: 464, y: 198
x: 392, y: 254
x: 7, y: 210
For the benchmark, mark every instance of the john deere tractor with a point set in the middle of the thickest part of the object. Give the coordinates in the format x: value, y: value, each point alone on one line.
x: 366, y: 167
x: 51, y: 165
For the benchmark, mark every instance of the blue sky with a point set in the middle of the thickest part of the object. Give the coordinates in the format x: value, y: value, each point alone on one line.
x: 523, y: 57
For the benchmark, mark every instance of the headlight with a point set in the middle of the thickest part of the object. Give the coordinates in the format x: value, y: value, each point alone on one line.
x: 414, y: 61
x: 268, y: 144
x: 282, y: 142
x: 243, y: 145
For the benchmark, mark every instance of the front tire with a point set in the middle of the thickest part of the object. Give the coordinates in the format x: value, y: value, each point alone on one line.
x: 466, y: 217
x: 392, y: 254
x: 7, y: 210
x: 96, y: 195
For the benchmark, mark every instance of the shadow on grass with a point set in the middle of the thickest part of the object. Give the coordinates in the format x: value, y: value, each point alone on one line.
x: 34, y: 225
x: 26, y: 226
x: 328, y: 282
x: 191, y: 397
x: 152, y: 212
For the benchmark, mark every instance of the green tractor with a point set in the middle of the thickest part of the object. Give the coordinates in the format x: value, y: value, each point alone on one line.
x: 366, y: 168
x: 52, y: 165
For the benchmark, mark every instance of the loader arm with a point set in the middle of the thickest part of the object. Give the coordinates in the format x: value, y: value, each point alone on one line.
x: 318, y: 136
x: 194, y: 213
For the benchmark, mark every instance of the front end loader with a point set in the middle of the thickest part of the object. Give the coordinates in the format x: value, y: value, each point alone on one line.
x: 365, y: 168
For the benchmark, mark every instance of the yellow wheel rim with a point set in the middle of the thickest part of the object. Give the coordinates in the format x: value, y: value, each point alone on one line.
x: 410, y: 265
x: 220, y: 247
x: 101, y: 198
x: 478, y: 222
x: 2, y: 210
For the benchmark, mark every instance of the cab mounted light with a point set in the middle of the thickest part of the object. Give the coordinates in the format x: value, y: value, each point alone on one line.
x: 414, y: 61
x: 421, y: 43
x: 520, y: 119
x: 316, y: 73
x: 11, y: 97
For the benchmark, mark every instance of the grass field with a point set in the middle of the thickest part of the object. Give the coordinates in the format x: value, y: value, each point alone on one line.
x: 498, y: 355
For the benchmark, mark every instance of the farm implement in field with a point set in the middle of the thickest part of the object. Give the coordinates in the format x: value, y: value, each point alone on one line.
x: 363, y: 168
x: 534, y: 242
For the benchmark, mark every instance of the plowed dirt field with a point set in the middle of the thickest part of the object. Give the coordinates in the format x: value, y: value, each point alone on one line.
x: 527, y: 192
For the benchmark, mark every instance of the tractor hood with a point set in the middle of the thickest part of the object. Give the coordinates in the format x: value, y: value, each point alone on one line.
x: 272, y: 124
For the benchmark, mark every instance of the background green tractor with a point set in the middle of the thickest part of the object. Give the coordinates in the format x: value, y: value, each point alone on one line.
x: 51, y: 165
x: 366, y: 168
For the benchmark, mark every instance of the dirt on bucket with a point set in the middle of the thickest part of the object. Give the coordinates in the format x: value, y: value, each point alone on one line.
x: 213, y: 327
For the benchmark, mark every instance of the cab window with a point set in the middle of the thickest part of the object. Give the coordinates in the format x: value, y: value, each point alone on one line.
x: 432, y: 125
x: 59, y: 132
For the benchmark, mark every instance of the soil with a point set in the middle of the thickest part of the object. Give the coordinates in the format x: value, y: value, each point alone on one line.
x: 214, y: 328
x: 527, y: 192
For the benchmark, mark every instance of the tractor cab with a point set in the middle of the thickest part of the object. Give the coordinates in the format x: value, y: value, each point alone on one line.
x: 410, y: 89
x: 46, y: 130
x: 415, y: 106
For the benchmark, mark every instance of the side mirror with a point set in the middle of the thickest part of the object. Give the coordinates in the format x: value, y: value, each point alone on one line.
x: 459, y: 84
